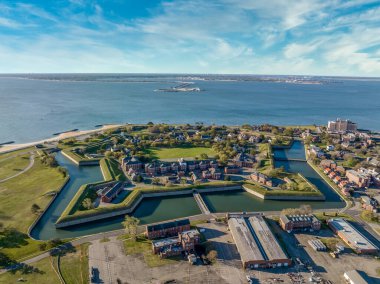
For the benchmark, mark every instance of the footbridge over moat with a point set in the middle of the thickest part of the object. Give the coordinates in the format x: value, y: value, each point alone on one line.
x: 201, y: 203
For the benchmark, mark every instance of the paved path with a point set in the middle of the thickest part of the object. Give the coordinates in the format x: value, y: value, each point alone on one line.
x: 31, y: 163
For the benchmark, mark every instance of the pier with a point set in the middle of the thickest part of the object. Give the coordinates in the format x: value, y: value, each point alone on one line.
x: 201, y: 203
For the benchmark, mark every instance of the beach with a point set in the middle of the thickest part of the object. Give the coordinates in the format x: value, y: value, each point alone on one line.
x: 65, y: 135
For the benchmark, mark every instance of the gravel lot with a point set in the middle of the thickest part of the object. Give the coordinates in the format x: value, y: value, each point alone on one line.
x: 112, y: 263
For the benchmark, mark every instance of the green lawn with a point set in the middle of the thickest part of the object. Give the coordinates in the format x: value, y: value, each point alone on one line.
x: 16, y: 198
x: 144, y: 246
x: 17, y: 195
x: 74, y: 266
x: 180, y: 152
x: 12, y: 166
x: 111, y: 169
x: 46, y: 274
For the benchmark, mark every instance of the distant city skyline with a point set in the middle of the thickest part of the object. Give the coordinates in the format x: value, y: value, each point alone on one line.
x: 339, y: 38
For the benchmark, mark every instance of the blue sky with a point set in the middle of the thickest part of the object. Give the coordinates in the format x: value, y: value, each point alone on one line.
x: 191, y: 36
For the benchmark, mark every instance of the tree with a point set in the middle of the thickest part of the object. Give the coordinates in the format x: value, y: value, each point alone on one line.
x: 42, y: 246
x: 155, y: 180
x: 35, y: 208
x: 204, y: 156
x: 212, y: 255
x: 130, y: 225
x: 87, y: 203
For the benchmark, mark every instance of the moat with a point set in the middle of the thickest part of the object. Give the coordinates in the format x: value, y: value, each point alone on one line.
x: 160, y: 209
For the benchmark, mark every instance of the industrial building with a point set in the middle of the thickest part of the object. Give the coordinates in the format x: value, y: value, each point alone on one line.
x: 257, y: 245
x: 351, y: 236
x: 294, y: 222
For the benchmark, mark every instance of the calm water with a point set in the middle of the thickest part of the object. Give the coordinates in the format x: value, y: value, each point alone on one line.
x: 160, y: 209
x: 243, y: 201
x: 35, y: 109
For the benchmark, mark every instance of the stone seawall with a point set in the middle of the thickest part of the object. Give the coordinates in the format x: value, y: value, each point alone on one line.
x: 130, y: 209
x: 47, y: 207
x: 81, y: 163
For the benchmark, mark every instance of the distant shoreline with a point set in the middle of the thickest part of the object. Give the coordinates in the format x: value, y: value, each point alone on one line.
x: 63, y: 135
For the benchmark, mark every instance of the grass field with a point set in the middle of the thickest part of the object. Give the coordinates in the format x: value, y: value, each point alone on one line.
x: 180, y: 152
x: 17, y: 195
x: 45, y: 276
x: 12, y: 166
x: 144, y: 247
x: 74, y: 266
x: 16, y: 198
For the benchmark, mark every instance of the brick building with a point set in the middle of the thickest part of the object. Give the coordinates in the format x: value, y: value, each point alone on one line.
x: 294, y: 222
x: 167, y: 229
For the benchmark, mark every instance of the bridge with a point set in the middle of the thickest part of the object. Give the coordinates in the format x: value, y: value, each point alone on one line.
x: 289, y: 159
x: 201, y: 203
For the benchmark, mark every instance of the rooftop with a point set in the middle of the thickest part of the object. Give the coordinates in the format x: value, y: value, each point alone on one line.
x: 167, y: 225
x: 165, y: 242
x: 254, y: 239
x: 353, y: 236
x: 355, y: 277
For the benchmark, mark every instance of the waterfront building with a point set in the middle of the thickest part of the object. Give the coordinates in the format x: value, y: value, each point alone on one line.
x: 257, y: 246
x: 167, y: 229
x: 351, y: 236
x: 341, y: 126
x: 299, y: 222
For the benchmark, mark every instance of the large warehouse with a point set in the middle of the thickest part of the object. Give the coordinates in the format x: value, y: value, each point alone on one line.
x: 257, y: 245
x: 351, y: 236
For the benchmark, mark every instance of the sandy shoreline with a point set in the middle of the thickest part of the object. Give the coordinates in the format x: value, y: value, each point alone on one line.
x: 14, y: 147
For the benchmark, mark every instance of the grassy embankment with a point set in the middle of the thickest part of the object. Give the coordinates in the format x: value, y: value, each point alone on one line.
x: 143, y: 246
x: 279, y: 192
x: 78, y: 159
x: 179, y: 152
x: 325, y: 177
x: 111, y: 169
x: 71, y: 212
x: 36, y: 186
x: 266, y: 163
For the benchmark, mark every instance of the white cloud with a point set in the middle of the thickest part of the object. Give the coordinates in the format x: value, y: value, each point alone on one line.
x: 8, y: 23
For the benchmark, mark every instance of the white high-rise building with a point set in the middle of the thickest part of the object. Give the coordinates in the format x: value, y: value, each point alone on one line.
x: 341, y: 126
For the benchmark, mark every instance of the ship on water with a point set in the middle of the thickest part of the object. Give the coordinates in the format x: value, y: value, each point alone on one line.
x: 183, y: 87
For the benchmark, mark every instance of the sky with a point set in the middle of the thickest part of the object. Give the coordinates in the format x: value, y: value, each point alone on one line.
x: 305, y: 37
